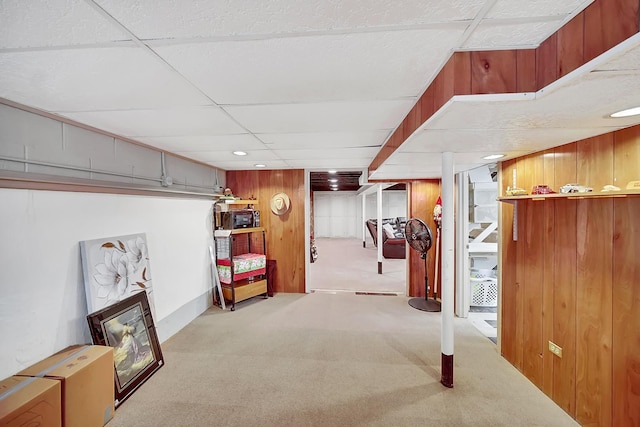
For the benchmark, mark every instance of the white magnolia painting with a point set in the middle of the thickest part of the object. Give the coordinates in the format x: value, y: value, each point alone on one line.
x: 114, y: 268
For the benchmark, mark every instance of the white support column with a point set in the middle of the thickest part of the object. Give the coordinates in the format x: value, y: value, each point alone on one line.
x: 462, y: 245
x: 364, y: 220
x: 307, y: 228
x: 379, y: 228
x: 448, y: 268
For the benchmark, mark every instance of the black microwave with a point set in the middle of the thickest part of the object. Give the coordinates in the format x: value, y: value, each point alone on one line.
x: 240, y: 218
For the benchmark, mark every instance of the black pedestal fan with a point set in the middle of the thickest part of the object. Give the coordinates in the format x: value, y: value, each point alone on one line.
x: 420, y: 239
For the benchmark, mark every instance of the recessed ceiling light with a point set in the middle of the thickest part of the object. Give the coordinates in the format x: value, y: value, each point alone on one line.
x: 239, y: 153
x: 332, y: 171
x: 260, y: 165
x: 334, y: 188
x: 626, y: 113
x: 333, y: 180
x: 493, y: 156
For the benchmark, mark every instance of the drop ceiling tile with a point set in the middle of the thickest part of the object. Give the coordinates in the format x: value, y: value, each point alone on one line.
x: 150, y: 19
x: 93, y: 79
x: 627, y: 59
x: 483, y: 112
x: 322, y: 117
x: 505, y: 9
x: 324, y: 139
x: 496, y: 35
x: 429, y: 160
x: 492, y: 140
x: 211, y: 156
x: 384, y: 65
x: 67, y: 23
x: 405, y: 173
x: 329, y: 163
x: 594, y: 95
x: 248, y: 165
x: 166, y: 122
x: 186, y: 143
x: 331, y: 153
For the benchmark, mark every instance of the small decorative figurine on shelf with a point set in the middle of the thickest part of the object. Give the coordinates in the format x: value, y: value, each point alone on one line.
x: 228, y: 195
x: 542, y: 189
x: 575, y: 188
x: 515, y: 191
x: 610, y: 187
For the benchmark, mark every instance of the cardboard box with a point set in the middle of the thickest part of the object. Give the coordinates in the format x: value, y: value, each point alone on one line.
x: 86, y: 375
x: 30, y: 401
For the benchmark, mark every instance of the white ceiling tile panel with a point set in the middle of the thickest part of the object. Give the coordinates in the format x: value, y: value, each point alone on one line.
x: 249, y: 165
x: 279, y: 141
x: 594, y: 95
x: 482, y: 140
x: 151, y: 19
x: 93, y: 79
x: 328, y: 153
x: 67, y: 22
x: 399, y: 173
x: 505, y: 9
x: 166, y: 122
x: 322, y: 117
x: 188, y: 143
x: 628, y: 59
x: 495, y: 35
x: 353, y: 66
x: 345, y: 164
x: 255, y: 156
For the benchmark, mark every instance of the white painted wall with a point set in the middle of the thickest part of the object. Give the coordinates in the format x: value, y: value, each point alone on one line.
x: 339, y: 213
x: 336, y: 214
x: 42, y: 298
x: 394, y: 204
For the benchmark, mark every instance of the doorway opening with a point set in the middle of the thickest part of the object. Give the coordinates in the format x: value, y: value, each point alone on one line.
x: 346, y: 254
x: 483, y: 250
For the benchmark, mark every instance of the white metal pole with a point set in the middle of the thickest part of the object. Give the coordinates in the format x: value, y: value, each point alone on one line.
x: 448, y: 268
x: 462, y: 245
x: 364, y: 220
x: 307, y: 229
x: 379, y: 228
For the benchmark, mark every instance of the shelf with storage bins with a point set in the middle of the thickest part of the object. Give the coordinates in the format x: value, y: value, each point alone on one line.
x: 240, y: 250
x: 241, y: 265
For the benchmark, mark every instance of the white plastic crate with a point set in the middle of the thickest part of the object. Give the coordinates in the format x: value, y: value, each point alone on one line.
x: 484, y: 292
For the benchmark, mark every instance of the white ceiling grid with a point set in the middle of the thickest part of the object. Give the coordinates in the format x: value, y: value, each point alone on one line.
x: 314, y: 85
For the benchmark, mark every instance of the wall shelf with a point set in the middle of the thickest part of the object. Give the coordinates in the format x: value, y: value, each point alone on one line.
x: 590, y: 195
x: 226, y: 233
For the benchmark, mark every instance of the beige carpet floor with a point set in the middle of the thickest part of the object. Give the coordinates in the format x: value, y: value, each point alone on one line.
x: 325, y: 359
x: 344, y: 265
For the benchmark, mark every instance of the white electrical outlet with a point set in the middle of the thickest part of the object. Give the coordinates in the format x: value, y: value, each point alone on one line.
x: 555, y: 349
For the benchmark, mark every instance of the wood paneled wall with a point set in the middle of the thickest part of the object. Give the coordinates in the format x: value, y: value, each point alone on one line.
x: 573, y: 278
x: 422, y: 197
x: 601, y: 26
x: 284, y: 233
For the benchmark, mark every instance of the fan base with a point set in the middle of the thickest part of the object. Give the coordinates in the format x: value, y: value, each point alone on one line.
x: 425, y: 304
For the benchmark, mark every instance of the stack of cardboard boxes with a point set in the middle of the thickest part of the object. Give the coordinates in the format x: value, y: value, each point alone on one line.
x: 74, y: 387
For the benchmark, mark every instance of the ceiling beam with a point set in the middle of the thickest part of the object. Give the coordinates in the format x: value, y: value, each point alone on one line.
x: 598, y: 28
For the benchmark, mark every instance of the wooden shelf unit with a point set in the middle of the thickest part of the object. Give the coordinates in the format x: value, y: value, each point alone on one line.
x: 244, y: 288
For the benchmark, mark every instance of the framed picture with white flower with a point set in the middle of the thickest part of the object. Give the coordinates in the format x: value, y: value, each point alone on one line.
x: 115, y: 268
x: 128, y: 327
